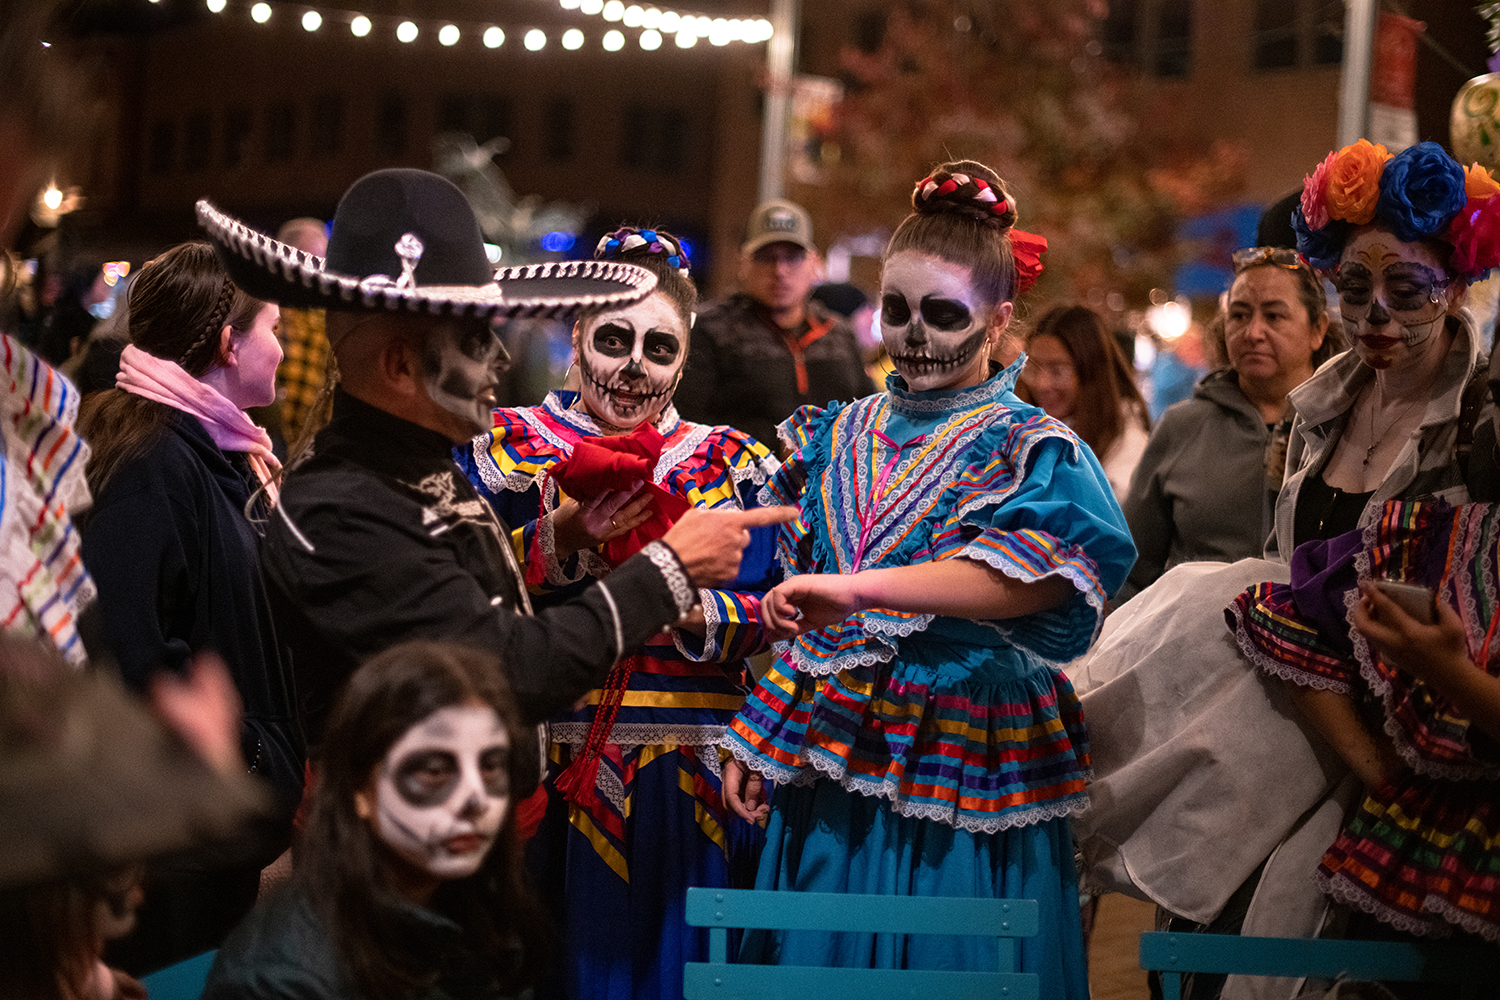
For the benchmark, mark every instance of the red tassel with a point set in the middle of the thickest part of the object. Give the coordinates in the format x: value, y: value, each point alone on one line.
x: 529, y: 814
x: 579, y: 780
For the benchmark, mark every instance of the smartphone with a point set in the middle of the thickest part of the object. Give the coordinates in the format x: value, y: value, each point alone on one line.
x: 1419, y: 602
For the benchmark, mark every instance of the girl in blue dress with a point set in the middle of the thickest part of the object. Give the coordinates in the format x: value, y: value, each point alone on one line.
x: 955, y: 546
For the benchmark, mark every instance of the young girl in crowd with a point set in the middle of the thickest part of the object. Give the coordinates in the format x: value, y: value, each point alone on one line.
x: 170, y: 544
x: 409, y: 882
x: 1077, y: 373
x: 634, y: 811
x: 955, y: 546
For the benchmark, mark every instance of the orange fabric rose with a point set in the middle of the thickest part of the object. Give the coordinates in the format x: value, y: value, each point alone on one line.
x: 1478, y: 184
x: 1354, y: 182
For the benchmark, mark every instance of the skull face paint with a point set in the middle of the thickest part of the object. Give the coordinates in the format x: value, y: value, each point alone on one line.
x: 461, y: 365
x: 443, y: 790
x: 933, y: 322
x: 630, y: 359
x: 1393, y: 297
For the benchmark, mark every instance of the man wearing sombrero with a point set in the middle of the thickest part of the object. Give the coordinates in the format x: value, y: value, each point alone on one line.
x: 378, y: 537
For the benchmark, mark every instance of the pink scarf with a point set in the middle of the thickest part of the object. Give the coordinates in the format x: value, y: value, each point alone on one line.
x: 164, y: 381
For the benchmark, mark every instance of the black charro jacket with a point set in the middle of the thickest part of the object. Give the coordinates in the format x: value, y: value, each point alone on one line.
x: 379, y: 538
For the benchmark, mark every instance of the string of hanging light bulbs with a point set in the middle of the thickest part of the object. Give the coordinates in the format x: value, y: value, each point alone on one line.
x: 654, y: 25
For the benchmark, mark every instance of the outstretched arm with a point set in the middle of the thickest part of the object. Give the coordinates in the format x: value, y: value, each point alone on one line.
x: 959, y: 588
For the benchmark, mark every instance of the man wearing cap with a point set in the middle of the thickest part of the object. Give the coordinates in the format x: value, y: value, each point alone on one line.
x: 768, y: 349
x: 378, y: 537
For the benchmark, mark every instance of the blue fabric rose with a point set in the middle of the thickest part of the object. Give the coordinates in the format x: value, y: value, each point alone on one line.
x: 1421, y: 190
x: 1321, y: 247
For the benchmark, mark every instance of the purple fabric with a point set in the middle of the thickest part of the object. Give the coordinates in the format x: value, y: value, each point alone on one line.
x: 1322, y: 573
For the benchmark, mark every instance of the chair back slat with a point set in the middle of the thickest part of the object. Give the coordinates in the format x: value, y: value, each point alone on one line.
x: 703, y: 981
x: 183, y: 981
x: 832, y: 911
x: 1384, y: 961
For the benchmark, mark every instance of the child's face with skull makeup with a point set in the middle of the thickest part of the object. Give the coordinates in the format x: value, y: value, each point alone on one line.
x: 936, y: 326
x: 438, y: 799
x: 630, y: 359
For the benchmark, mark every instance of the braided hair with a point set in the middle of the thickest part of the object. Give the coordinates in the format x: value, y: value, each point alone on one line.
x: 181, y: 301
x: 661, y: 253
x: 178, y: 305
x: 963, y: 213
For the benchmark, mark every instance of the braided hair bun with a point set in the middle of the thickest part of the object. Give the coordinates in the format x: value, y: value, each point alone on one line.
x: 659, y: 252
x: 969, y: 189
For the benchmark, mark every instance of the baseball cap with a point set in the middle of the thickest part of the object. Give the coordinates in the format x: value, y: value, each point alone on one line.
x: 779, y: 221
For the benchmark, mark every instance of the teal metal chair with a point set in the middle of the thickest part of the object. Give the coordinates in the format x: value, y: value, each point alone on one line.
x: 721, y: 909
x: 183, y: 981
x: 1474, y: 971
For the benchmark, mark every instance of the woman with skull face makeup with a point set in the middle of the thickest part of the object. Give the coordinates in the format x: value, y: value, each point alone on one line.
x: 634, y: 813
x: 955, y: 545
x: 1384, y: 437
x: 409, y: 881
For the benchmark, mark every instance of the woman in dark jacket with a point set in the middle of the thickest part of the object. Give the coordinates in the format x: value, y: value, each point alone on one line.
x: 409, y: 882
x: 175, y: 462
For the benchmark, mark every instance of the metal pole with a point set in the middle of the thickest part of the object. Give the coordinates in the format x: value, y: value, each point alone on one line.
x: 1354, y: 87
x: 780, y: 58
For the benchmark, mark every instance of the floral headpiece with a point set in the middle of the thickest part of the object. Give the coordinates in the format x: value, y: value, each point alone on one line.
x: 1420, y: 193
x: 618, y: 242
x: 1026, y: 249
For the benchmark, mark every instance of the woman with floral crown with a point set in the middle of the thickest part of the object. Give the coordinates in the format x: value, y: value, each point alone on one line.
x: 1384, y: 437
x: 634, y: 813
x: 955, y: 546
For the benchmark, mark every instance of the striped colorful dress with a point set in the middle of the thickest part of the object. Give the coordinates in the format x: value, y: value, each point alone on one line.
x: 925, y: 755
x: 44, y: 586
x: 618, y: 866
x: 1422, y: 852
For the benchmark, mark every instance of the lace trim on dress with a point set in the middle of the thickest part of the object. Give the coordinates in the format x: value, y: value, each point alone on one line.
x: 711, y: 651
x: 863, y: 656
x: 1381, y: 686
x: 547, y: 539
x: 835, y: 767
x: 1260, y: 661
x: 540, y: 428
x: 1353, y: 894
x: 967, y: 399
x: 679, y: 452
x: 1023, y: 455
x: 640, y: 734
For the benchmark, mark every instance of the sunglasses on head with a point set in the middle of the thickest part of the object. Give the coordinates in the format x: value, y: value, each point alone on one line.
x: 1279, y: 256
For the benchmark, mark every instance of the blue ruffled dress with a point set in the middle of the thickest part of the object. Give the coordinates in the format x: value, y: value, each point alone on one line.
x: 927, y: 755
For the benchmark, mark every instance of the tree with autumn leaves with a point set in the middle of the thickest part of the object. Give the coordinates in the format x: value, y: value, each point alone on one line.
x: 1023, y: 86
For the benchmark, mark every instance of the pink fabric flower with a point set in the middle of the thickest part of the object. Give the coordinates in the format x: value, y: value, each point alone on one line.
x: 1475, y: 235
x: 1315, y: 194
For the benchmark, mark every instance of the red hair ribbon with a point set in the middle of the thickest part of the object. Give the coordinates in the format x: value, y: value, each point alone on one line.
x: 1027, y: 249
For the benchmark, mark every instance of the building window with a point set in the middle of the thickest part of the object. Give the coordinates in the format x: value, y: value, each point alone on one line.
x: 161, y: 154
x: 281, y: 132
x: 1154, y: 35
x: 327, y: 136
x: 237, y: 129
x: 197, y: 141
x: 1291, y: 34
x: 453, y: 114
x: 654, y: 138
x: 390, y: 125
x: 1174, y: 38
x: 560, y: 126
x: 495, y: 117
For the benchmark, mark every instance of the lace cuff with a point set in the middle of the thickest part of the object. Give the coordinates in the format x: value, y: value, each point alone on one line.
x: 557, y: 572
x: 665, y: 560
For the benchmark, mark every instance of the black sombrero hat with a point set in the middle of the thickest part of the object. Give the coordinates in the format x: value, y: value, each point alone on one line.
x: 408, y: 239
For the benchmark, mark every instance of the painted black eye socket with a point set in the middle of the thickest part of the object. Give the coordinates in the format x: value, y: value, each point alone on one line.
x: 427, y: 777
x: 494, y: 770
x: 613, y: 341
x: 894, y: 311
x: 661, y: 348
x: 945, y: 314
x: 476, y: 342
x: 1354, y: 291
